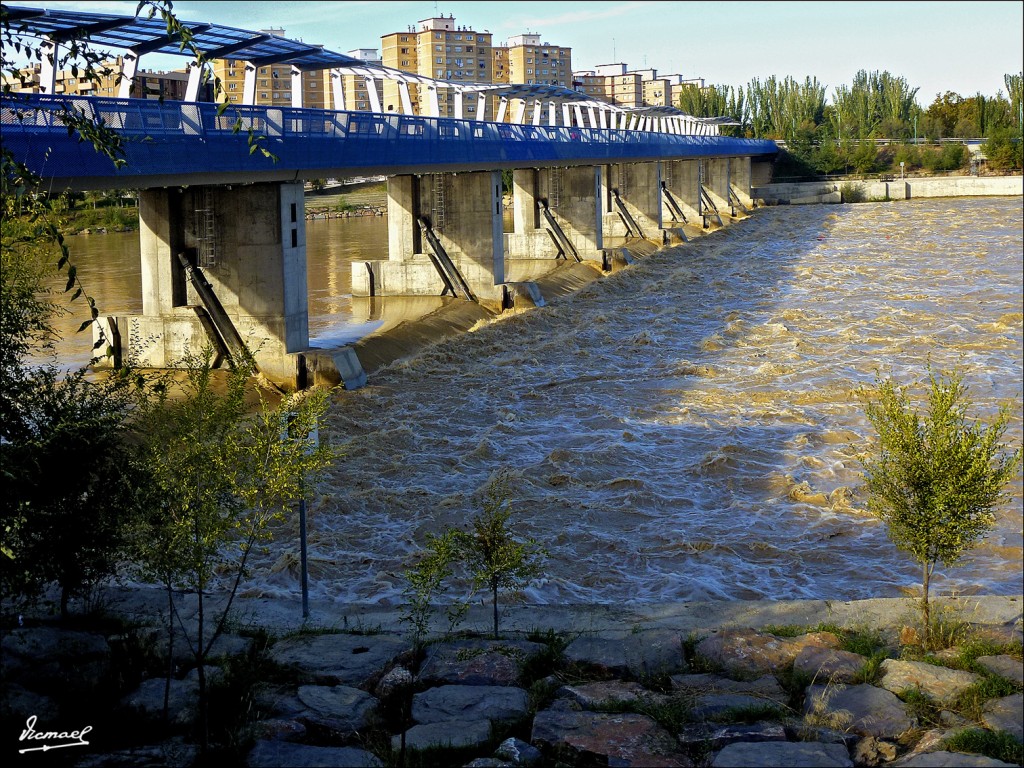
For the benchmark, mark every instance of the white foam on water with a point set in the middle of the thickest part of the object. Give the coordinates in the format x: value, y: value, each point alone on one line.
x: 689, y: 428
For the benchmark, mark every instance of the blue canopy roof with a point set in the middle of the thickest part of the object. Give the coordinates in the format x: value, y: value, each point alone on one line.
x: 141, y: 34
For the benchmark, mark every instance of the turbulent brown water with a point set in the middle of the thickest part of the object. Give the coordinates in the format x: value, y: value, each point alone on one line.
x: 688, y: 428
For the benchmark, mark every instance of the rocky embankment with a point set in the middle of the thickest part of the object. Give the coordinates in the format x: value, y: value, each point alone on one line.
x: 779, y: 695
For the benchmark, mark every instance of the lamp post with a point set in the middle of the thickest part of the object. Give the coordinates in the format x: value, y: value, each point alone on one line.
x: 311, y: 442
x: 915, y: 130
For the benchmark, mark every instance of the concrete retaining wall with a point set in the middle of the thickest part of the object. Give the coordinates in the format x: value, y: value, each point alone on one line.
x: 899, y: 189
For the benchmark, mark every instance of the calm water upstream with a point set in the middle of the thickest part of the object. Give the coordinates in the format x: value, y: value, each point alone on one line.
x: 686, y: 429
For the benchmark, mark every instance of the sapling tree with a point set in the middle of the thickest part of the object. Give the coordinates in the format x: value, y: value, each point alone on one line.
x: 935, y: 480
x: 225, y: 477
x: 425, y: 580
x: 494, y: 556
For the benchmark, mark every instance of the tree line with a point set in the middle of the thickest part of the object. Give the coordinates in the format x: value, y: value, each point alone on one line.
x: 841, y: 136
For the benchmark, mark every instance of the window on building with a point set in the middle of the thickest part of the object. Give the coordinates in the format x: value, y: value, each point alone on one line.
x: 264, y: 71
x: 263, y: 95
x: 529, y: 71
x: 264, y: 83
x: 232, y: 86
x: 405, y: 50
x: 439, y: 60
x: 438, y: 48
x: 458, y: 49
x: 469, y: 49
x: 405, y: 62
x: 458, y: 37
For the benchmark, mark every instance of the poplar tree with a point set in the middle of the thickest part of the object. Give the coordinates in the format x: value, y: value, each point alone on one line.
x: 935, y: 480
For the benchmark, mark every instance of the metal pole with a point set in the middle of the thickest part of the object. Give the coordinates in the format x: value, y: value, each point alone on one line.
x: 302, y: 555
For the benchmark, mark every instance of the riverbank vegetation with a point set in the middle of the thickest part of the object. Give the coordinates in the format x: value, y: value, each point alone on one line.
x: 869, y: 126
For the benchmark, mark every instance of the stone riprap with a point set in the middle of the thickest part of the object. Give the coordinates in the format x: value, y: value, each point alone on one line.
x: 724, y: 696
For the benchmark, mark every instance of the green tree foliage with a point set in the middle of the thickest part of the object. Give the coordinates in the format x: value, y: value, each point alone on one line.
x: 496, y: 559
x: 876, y: 103
x: 1002, y: 149
x: 425, y: 581
x: 489, y: 555
x: 223, y: 479
x: 716, y: 101
x: 777, y: 108
x: 74, y: 484
x: 935, y: 480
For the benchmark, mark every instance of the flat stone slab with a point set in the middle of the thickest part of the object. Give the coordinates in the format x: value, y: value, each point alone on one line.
x: 1005, y: 714
x: 766, y: 687
x: 339, y: 707
x: 825, y: 665
x: 339, y: 658
x: 785, y: 754
x: 1004, y: 666
x: 862, y: 709
x: 721, y: 736
x: 747, y: 651
x: 625, y: 739
x: 950, y: 760
x: 477, y: 662
x: 650, y: 652
x: 284, y: 754
x: 716, y: 705
x: 449, y: 734
x: 604, y: 693
x: 493, y: 703
x: 939, y: 683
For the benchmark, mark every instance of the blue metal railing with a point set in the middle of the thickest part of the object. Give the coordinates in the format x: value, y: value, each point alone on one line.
x: 169, y: 139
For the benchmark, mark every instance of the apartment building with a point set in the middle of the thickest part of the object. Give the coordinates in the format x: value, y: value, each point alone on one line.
x: 616, y: 84
x: 146, y: 84
x: 439, y: 48
x: 531, y: 61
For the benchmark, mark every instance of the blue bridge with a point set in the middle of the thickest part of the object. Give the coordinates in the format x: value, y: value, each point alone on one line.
x: 167, y: 143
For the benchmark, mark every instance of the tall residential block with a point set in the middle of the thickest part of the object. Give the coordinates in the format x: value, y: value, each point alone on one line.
x: 534, y: 62
x: 442, y: 49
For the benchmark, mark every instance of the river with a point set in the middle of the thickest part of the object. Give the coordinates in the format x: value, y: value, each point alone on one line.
x: 685, y: 429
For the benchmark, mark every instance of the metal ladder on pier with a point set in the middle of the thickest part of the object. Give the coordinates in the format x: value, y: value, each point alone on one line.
x: 439, y: 203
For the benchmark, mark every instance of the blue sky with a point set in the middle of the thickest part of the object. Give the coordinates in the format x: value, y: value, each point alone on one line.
x: 937, y: 46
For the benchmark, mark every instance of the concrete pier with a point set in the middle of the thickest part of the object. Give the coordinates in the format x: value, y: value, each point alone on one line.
x: 682, y: 182
x: 436, y: 218
x: 637, y: 188
x: 572, y: 197
x: 247, y: 244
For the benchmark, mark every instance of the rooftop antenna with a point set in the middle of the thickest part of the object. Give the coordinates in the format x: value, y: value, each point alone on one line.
x: 613, y: 49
